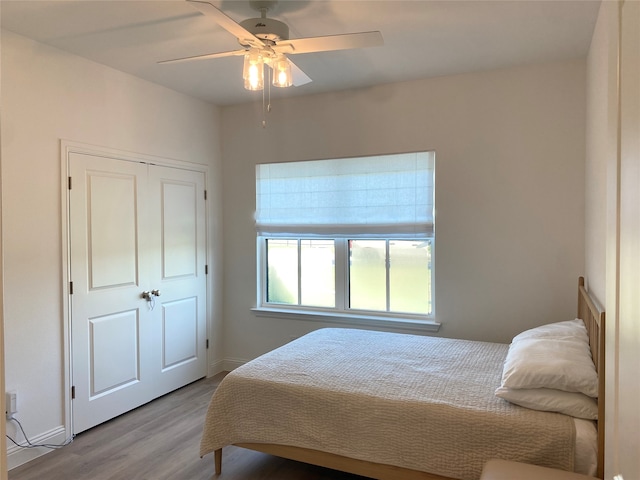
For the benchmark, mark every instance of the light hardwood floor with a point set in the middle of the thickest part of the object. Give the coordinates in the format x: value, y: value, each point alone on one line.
x: 160, y: 441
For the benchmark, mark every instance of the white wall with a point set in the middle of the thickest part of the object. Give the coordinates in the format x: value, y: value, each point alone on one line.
x: 510, y: 148
x: 49, y: 95
x: 626, y: 441
x: 601, y: 138
x: 611, y: 240
x: 601, y: 191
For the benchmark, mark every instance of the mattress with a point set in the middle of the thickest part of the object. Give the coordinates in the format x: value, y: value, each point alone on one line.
x: 586, y: 449
x: 411, y: 401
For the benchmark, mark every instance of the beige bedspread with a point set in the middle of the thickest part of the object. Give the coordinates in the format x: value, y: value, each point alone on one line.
x: 417, y: 402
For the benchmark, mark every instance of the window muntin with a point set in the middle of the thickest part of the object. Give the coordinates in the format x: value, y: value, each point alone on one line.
x: 349, y: 235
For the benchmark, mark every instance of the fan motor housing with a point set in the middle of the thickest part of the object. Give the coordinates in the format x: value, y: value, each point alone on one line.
x: 267, y: 29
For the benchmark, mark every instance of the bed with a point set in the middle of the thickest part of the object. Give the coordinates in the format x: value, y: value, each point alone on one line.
x: 387, y: 406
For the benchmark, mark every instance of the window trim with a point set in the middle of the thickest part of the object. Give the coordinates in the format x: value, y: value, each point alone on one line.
x: 345, y: 318
x: 277, y: 182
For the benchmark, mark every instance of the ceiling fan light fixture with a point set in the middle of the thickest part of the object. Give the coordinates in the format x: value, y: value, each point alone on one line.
x: 253, y: 71
x: 281, y: 72
x: 266, y: 40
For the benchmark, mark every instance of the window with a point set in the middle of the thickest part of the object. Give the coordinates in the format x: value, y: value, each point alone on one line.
x: 349, y: 236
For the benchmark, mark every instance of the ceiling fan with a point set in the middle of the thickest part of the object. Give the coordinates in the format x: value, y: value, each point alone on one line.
x: 265, y: 41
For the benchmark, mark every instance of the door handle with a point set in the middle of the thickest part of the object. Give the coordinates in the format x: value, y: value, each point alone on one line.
x: 148, y: 295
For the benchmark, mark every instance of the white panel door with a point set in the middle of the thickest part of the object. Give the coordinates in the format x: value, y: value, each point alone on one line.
x: 179, y: 312
x: 109, y: 318
x: 134, y: 228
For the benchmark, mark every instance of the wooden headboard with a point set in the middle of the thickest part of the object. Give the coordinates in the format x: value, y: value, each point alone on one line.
x: 593, y: 319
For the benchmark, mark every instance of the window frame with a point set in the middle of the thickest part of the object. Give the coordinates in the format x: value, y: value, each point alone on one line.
x: 341, y: 313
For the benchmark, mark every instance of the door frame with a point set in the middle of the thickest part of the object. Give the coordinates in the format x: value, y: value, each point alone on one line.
x: 67, y: 147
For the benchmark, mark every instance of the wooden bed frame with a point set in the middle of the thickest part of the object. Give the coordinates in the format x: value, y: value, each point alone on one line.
x: 594, y: 321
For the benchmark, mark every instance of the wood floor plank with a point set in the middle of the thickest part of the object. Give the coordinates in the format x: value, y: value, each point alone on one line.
x: 160, y: 441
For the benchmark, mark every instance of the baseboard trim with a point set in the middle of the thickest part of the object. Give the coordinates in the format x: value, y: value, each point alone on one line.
x: 17, y: 456
x: 233, y: 363
x: 215, y: 368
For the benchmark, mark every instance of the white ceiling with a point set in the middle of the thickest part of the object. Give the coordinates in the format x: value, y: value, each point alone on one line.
x: 423, y: 38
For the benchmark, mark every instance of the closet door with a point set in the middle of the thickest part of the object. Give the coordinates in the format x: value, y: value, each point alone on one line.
x: 177, y: 271
x: 138, y: 307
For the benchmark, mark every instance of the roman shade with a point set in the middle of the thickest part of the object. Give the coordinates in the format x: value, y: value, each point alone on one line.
x: 379, y: 196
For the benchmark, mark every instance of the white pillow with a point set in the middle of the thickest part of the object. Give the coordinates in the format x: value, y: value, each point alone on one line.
x: 561, y: 364
x: 570, y: 329
x: 549, y: 400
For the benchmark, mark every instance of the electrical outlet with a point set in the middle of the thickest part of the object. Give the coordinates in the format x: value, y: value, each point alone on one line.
x: 11, y: 403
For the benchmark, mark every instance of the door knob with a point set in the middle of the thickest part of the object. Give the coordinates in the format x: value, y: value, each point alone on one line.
x: 155, y: 292
x: 147, y: 295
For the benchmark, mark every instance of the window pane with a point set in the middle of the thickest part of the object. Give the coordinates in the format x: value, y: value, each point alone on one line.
x: 318, y: 282
x: 282, y: 271
x: 410, y: 276
x: 367, y: 275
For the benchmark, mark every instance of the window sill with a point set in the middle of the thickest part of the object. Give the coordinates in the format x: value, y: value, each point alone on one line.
x: 349, y: 319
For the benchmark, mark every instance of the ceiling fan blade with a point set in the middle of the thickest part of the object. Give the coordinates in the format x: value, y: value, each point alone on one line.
x: 206, y: 56
x: 298, y: 76
x: 330, y: 42
x: 244, y: 36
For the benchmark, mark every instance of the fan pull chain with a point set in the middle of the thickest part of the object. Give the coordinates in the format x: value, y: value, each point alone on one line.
x: 264, y: 117
x: 266, y: 106
x: 269, y: 99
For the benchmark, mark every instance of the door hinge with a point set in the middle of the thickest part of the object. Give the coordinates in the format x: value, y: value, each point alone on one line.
x: 70, y: 288
x: 205, y: 194
x: 73, y: 392
x: 207, y: 343
x: 69, y: 183
x: 206, y: 269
